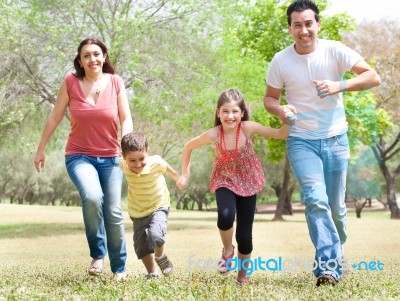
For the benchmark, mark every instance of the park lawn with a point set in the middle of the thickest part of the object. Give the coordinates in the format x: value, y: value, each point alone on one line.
x: 44, y: 256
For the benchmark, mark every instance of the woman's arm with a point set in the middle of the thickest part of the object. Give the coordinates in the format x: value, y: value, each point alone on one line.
x: 52, y: 122
x: 124, y: 112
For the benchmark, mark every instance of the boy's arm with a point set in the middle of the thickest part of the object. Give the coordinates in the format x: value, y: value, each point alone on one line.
x: 172, y: 172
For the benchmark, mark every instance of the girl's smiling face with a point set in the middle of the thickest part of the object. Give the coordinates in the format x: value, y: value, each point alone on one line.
x: 230, y: 114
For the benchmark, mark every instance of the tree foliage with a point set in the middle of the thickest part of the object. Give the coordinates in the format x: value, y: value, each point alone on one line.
x: 176, y: 57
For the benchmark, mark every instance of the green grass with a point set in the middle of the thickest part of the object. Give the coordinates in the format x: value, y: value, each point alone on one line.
x: 44, y: 256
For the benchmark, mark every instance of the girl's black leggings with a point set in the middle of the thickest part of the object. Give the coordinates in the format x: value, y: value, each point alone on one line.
x: 229, y: 204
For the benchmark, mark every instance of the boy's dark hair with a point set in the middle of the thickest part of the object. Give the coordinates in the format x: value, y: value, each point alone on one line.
x: 299, y: 6
x: 134, y: 142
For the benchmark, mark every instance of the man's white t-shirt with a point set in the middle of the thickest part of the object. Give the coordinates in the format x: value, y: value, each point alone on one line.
x: 318, y: 118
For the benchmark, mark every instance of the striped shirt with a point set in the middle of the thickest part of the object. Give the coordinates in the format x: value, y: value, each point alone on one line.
x: 147, y: 191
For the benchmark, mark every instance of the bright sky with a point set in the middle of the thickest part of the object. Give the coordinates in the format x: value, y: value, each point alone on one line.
x: 367, y: 10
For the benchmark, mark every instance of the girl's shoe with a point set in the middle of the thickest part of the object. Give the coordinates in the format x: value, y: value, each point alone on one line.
x: 222, y: 266
x: 243, y: 281
x: 96, y: 267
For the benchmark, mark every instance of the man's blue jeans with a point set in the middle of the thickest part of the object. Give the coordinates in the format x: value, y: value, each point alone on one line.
x: 99, y: 182
x: 321, y: 168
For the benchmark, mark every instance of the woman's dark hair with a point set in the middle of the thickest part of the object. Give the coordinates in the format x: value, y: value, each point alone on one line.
x: 229, y: 96
x: 107, y: 66
x: 299, y: 6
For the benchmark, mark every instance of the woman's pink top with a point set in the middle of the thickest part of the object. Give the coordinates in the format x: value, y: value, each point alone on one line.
x: 94, y: 128
x: 240, y: 172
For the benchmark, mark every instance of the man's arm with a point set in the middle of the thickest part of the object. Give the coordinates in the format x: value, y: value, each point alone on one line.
x: 272, y: 105
x: 366, y: 78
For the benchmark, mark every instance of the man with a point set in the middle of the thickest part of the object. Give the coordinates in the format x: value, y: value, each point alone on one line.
x: 311, y: 72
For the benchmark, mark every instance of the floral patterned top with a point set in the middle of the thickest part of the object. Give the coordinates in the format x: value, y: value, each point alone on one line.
x: 238, y: 170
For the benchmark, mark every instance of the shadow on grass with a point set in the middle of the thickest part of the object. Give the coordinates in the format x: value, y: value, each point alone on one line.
x: 214, y: 219
x: 37, y: 229
x: 47, y: 230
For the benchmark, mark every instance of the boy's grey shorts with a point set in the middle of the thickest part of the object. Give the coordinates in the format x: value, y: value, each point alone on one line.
x: 149, y: 232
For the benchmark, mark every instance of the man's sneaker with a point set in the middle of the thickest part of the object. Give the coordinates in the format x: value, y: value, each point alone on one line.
x: 326, y: 280
x: 151, y: 276
x: 119, y: 276
x: 165, y: 265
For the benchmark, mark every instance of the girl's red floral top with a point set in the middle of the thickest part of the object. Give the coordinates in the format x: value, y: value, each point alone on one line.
x: 238, y: 170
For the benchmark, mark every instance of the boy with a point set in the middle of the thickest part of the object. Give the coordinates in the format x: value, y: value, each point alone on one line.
x: 148, y: 201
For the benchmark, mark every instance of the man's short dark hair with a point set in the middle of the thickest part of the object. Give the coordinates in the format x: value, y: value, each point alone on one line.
x: 302, y: 5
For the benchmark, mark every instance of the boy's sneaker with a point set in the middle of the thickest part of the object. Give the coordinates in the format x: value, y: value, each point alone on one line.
x: 165, y: 265
x: 119, y: 276
x: 151, y: 276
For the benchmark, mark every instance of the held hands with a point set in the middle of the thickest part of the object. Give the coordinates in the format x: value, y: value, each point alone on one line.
x: 288, y: 114
x: 182, y: 182
x: 327, y: 87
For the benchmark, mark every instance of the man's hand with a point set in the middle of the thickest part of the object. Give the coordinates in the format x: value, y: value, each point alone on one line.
x: 326, y: 87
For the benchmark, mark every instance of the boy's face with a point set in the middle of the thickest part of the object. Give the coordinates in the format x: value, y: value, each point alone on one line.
x: 135, y: 161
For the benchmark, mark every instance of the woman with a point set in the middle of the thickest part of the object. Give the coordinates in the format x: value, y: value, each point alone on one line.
x: 96, y: 99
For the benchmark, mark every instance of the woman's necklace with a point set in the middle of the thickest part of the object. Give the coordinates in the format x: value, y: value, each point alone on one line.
x: 93, y: 84
x: 225, y: 154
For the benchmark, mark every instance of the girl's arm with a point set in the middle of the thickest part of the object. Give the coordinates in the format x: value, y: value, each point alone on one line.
x: 258, y: 129
x: 124, y: 112
x: 207, y: 137
x: 52, y: 122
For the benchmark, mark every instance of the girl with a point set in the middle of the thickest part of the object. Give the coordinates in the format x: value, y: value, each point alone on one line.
x: 237, y: 174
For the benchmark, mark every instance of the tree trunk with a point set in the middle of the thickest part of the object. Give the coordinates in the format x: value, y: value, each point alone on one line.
x: 391, y: 198
x: 287, y: 208
x: 283, y: 193
x: 382, y: 155
x: 359, y: 206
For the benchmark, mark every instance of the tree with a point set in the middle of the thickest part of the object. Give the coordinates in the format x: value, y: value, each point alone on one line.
x: 385, y: 146
x: 153, y: 44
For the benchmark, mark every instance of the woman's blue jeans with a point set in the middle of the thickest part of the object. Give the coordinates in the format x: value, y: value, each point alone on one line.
x: 321, y: 168
x: 99, y: 182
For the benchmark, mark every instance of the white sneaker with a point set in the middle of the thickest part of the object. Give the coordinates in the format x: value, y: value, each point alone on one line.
x: 119, y: 276
x: 151, y: 276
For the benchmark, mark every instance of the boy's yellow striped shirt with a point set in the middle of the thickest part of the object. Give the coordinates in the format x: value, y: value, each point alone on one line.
x: 147, y: 191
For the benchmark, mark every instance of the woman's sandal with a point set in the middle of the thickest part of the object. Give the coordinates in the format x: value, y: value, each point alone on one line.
x: 96, y: 267
x: 222, y: 267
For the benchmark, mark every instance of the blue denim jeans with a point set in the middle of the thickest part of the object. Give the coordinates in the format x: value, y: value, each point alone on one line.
x: 321, y: 168
x: 99, y: 182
